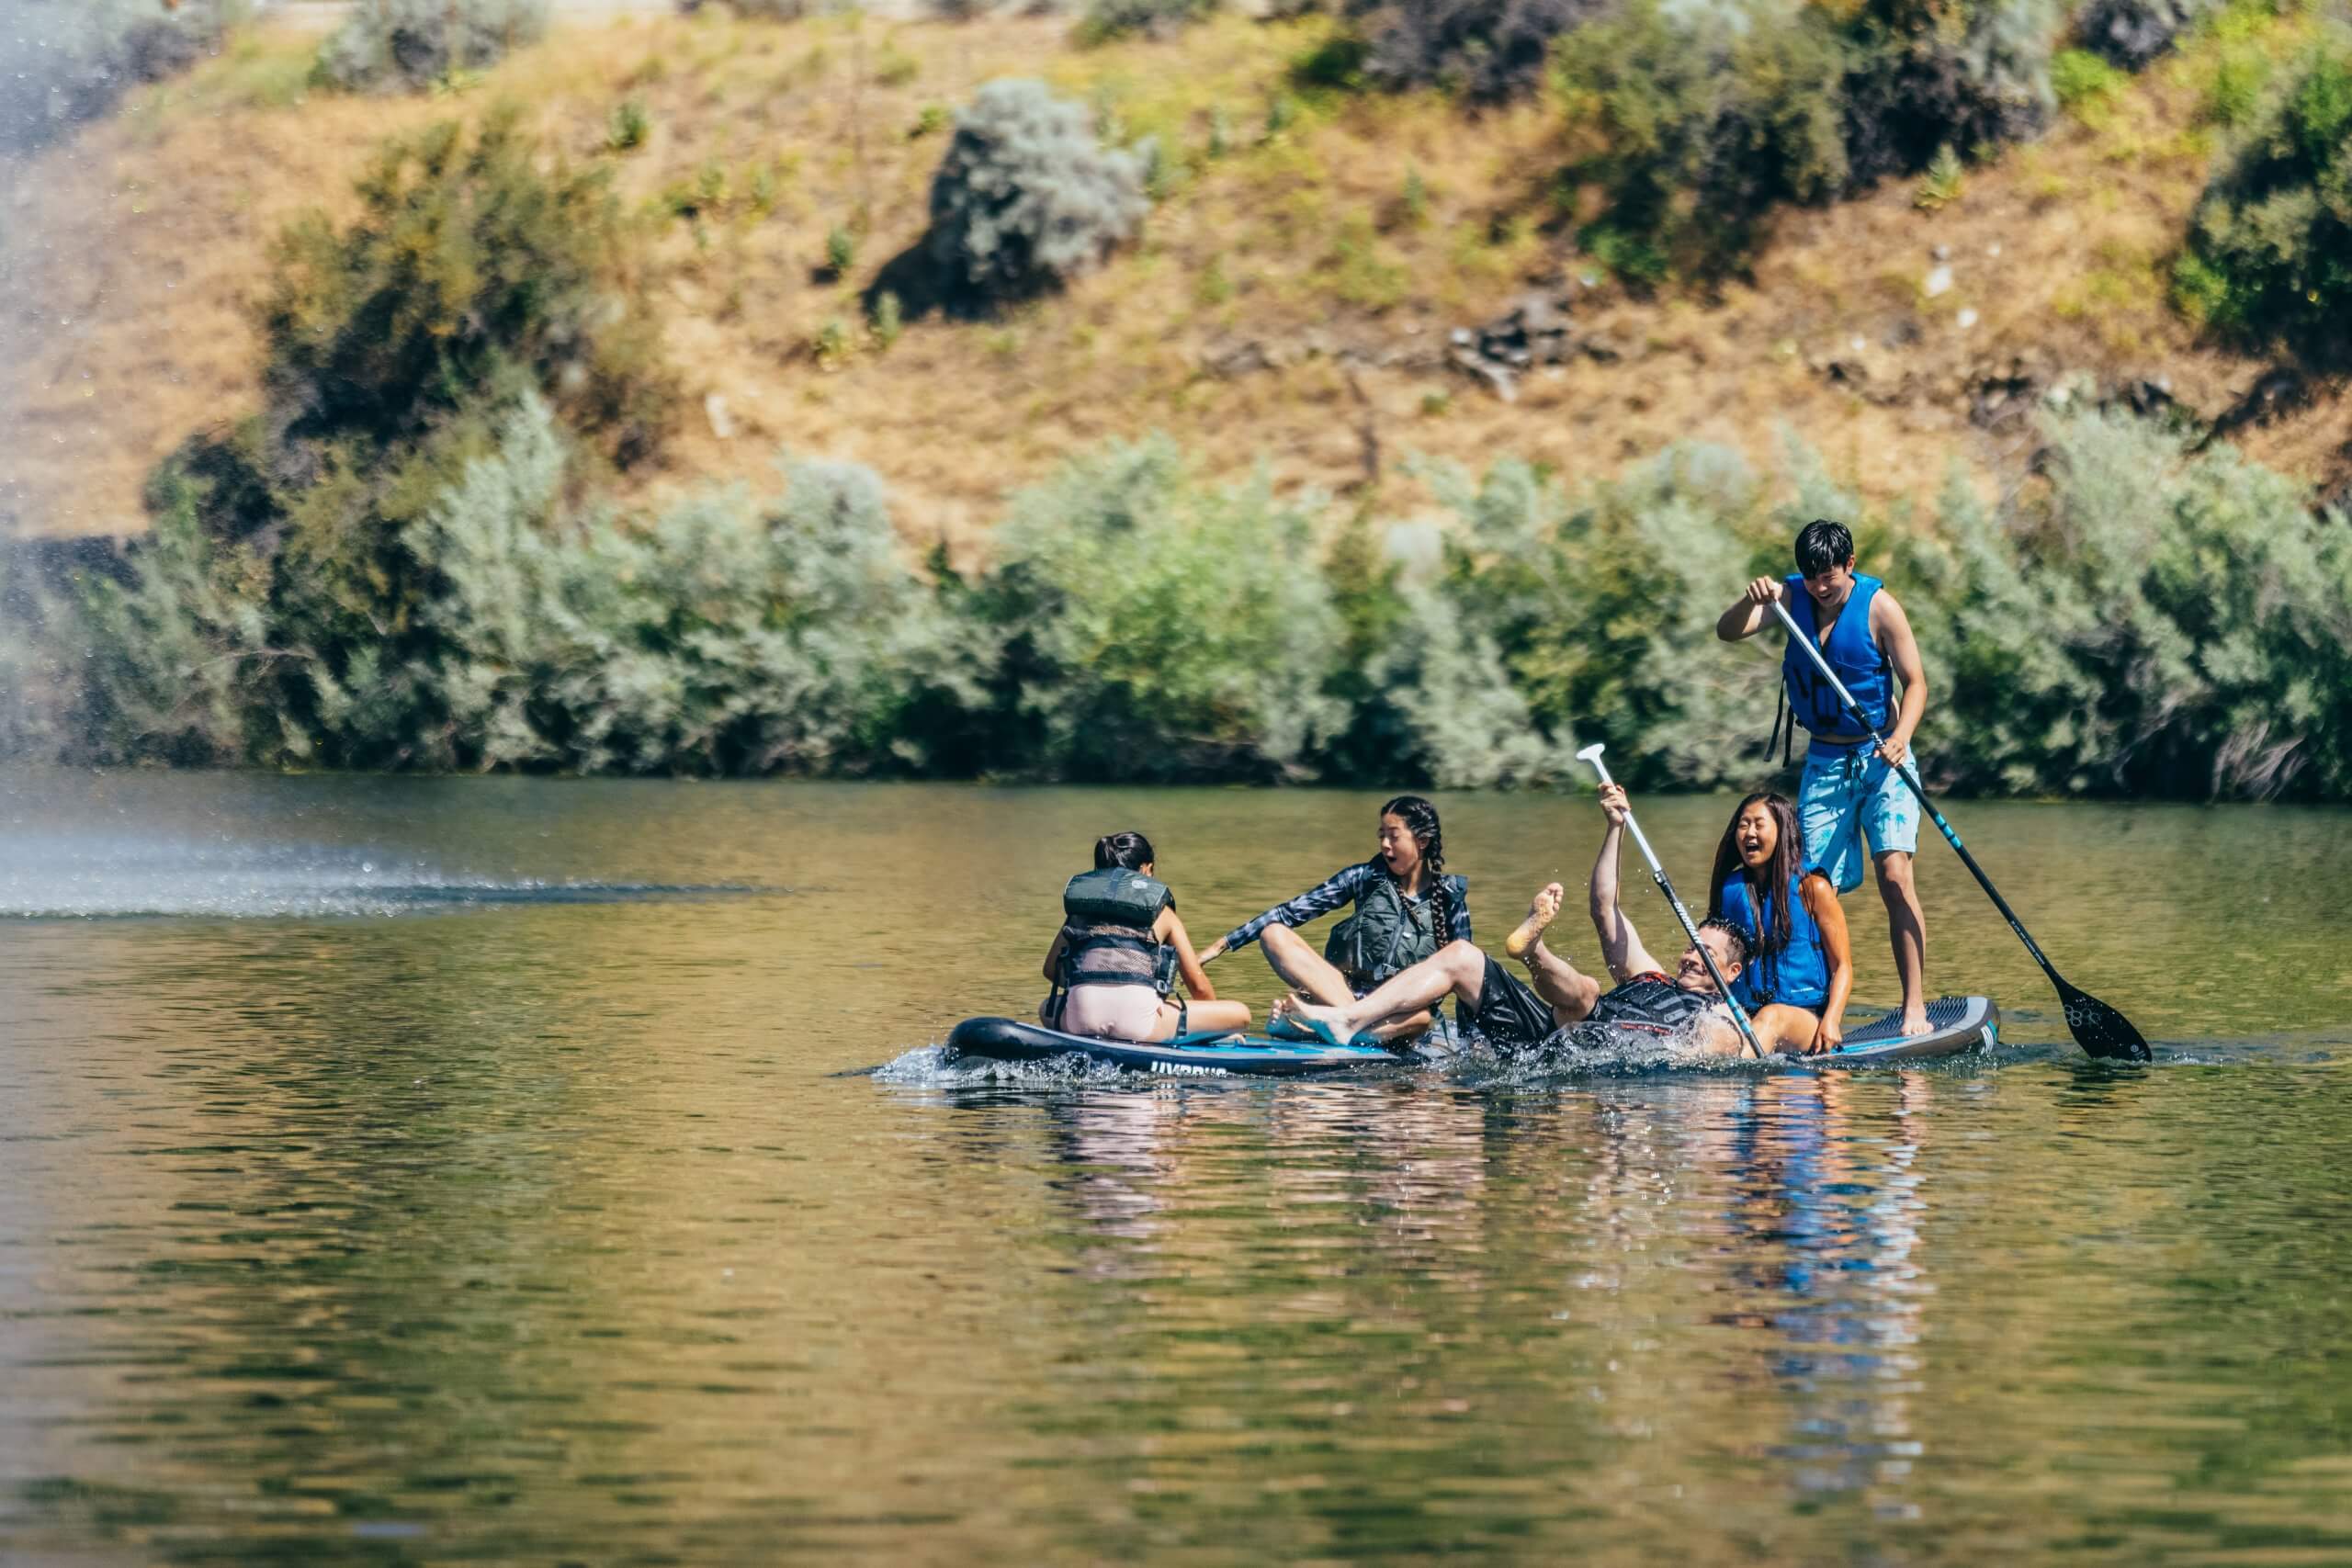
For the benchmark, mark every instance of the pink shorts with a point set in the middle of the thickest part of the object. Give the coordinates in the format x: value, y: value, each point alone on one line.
x: 1114, y: 1012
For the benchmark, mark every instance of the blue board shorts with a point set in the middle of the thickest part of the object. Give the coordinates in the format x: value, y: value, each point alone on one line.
x: 1849, y: 793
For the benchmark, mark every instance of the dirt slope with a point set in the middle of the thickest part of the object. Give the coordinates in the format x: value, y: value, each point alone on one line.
x: 1293, y: 296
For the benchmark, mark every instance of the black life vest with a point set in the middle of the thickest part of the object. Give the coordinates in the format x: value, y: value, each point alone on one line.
x: 1650, y: 1004
x: 1388, y: 931
x: 1646, y: 1009
x: 1107, y: 917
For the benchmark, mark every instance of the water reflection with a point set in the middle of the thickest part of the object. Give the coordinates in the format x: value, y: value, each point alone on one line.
x: 547, y: 1233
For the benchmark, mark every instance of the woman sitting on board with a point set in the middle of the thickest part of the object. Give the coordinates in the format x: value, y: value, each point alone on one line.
x: 1407, y: 907
x: 1114, y: 963
x: 1800, y: 965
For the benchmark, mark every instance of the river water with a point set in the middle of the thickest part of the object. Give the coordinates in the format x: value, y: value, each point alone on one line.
x: 473, y: 1170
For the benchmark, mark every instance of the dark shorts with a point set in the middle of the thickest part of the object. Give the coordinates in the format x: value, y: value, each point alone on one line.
x: 1510, y: 1015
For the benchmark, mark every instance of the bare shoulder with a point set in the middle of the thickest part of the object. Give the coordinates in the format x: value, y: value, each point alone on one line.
x: 1886, y: 610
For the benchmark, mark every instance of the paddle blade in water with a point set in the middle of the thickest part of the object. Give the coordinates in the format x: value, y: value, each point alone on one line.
x: 2099, y: 1028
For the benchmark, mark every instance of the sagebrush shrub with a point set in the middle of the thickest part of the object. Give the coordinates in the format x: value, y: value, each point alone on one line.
x: 2151, y: 621
x: 406, y: 45
x: 2271, y: 243
x: 1026, y: 198
x: 2131, y: 33
x: 1486, y: 50
x: 1106, y: 20
x: 64, y: 63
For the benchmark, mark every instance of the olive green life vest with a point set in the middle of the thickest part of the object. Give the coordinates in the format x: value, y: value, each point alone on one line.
x: 1388, y: 931
x: 1107, y: 918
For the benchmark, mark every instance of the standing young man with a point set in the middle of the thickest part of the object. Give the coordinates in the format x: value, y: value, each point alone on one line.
x: 1851, y: 791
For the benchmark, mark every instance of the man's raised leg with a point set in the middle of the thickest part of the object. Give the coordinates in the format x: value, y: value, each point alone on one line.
x: 1570, y: 993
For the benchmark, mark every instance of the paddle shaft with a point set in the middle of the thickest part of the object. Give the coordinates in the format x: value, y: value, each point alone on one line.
x: 1657, y: 874
x: 1911, y: 777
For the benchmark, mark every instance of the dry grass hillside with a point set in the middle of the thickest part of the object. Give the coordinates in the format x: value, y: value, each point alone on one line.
x: 1290, y: 303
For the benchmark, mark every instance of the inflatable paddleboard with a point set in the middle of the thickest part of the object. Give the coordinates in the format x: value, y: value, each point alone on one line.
x: 1955, y: 1024
x: 1187, y: 1055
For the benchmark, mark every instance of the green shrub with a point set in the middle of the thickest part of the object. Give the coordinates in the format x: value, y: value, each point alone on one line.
x: 1026, y: 198
x: 840, y: 251
x: 2151, y: 621
x: 2086, y: 86
x: 464, y: 257
x: 1158, y: 628
x: 2269, y: 256
x: 628, y: 126
x: 408, y: 45
x: 1702, y: 138
x: 64, y: 63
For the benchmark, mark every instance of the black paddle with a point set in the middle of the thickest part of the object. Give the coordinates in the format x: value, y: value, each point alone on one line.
x: 2097, y: 1028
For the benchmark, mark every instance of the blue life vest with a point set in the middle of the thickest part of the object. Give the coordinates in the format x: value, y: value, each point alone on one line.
x: 1852, y: 652
x: 1798, y: 975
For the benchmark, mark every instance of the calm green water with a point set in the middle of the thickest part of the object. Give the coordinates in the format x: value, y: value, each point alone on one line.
x: 433, y: 1171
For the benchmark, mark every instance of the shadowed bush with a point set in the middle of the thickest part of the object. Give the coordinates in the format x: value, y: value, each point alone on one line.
x: 2270, y: 245
x: 2131, y: 33
x: 408, y: 45
x: 1970, y: 75
x: 1026, y: 198
x: 1700, y: 137
x: 1484, y: 50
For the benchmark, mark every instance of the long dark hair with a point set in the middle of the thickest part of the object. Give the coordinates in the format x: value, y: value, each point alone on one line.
x: 1773, y: 924
x: 1128, y: 852
x: 1421, y: 820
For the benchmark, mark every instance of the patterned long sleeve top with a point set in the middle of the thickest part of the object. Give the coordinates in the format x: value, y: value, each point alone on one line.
x: 1337, y: 891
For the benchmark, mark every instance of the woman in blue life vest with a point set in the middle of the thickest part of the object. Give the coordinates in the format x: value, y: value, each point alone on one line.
x: 1120, y: 953
x: 1407, y: 907
x: 1851, y: 791
x: 1800, y: 965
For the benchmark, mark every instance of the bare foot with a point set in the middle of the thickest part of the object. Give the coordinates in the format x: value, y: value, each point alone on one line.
x: 1915, y: 1020
x: 1541, y: 913
x: 1328, y: 1024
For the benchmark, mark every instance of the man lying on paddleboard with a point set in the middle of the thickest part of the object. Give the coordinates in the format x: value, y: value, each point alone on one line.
x: 1566, y: 1006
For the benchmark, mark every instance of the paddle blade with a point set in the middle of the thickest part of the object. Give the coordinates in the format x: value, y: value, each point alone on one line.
x: 2099, y: 1028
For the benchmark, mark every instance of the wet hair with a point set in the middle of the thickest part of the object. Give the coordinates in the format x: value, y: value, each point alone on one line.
x: 1821, y: 544
x: 1772, y: 918
x: 1421, y: 820
x: 1128, y: 852
x: 1734, y: 937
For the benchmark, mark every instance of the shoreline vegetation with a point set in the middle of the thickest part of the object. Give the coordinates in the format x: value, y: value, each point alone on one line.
x: 424, y: 547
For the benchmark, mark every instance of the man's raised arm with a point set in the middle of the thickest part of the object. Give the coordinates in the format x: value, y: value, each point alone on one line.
x: 1621, y: 946
x: 1749, y: 611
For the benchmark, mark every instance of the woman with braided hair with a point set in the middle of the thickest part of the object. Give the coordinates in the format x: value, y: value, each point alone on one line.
x: 1407, y: 907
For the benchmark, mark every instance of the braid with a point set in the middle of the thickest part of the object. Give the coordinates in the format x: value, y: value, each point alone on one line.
x: 1421, y: 817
